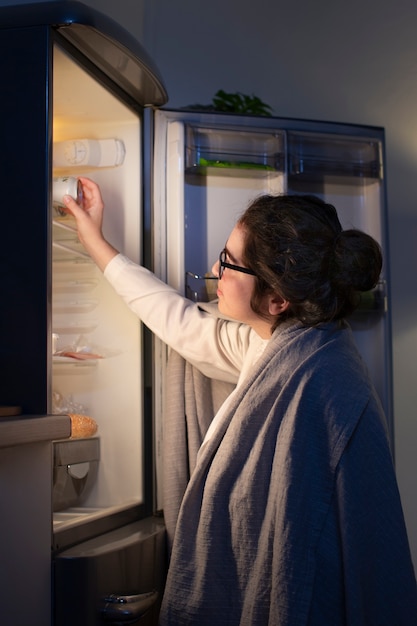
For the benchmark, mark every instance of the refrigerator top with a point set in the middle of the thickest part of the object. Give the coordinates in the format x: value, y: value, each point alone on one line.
x: 213, y: 118
x: 100, y: 39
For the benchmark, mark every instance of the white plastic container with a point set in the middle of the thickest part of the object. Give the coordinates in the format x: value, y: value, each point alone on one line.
x: 66, y: 186
x: 89, y: 152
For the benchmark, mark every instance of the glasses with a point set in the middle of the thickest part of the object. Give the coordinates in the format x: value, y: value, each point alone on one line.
x: 237, y: 268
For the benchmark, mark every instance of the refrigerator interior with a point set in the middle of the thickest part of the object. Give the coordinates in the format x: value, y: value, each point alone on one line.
x: 87, y: 317
x: 215, y: 165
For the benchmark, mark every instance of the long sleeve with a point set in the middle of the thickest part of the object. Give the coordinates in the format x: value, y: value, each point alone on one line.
x: 215, y: 346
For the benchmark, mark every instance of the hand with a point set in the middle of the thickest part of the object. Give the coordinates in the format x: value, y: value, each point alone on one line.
x: 89, y: 215
x: 89, y: 220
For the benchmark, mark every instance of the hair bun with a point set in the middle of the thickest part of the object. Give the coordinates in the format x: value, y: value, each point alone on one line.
x: 358, y: 260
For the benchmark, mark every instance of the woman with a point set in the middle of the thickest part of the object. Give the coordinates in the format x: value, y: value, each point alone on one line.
x: 292, y: 515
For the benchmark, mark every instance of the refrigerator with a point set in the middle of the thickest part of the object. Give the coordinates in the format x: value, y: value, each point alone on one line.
x: 82, y: 97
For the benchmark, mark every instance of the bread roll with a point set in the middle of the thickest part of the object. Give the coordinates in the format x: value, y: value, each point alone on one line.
x: 82, y: 426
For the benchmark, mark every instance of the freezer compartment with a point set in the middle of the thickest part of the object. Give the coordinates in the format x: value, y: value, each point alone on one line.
x: 213, y: 150
x: 117, y: 578
x: 315, y: 155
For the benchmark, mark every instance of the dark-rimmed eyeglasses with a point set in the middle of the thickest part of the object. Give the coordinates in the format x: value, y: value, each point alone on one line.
x: 238, y: 268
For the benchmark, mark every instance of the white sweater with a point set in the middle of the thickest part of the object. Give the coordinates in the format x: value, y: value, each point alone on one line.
x: 221, y: 349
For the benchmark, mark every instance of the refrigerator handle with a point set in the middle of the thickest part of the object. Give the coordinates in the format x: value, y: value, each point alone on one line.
x: 119, y: 609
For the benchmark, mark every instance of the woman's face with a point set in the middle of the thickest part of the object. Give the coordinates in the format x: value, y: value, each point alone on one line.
x: 235, y: 288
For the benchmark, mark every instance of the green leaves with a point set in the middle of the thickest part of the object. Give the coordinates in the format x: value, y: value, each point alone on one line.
x: 240, y: 103
x: 234, y: 103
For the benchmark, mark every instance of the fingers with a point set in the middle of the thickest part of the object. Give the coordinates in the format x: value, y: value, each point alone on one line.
x: 91, y: 191
x: 87, y: 182
x: 72, y: 205
x: 92, y: 202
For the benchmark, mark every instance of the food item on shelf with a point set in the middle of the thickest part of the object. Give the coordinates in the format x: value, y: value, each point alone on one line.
x: 82, y: 426
x: 10, y: 411
x: 234, y: 164
x: 89, y: 152
x: 80, y: 356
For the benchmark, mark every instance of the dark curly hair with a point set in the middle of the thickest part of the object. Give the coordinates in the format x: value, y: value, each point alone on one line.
x: 297, y: 248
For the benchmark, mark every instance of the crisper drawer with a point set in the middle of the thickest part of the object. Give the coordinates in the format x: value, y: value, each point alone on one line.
x: 117, y: 578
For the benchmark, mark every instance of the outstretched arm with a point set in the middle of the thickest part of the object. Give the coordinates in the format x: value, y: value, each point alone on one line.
x: 217, y: 352
x: 89, y: 219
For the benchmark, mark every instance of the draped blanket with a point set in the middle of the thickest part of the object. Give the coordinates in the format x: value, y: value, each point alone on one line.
x: 191, y: 401
x: 292, y: 515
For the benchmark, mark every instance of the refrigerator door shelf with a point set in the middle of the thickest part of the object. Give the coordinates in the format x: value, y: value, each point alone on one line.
x: 237, y: 170
x: 312, y: 155
x: 233, y: 152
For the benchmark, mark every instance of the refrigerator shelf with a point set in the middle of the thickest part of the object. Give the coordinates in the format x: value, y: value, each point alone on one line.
x: 75, y: 515
x: 64, y: 327
x: 74, y: 306
x: 65, y: 366
x: 66, y: 223
x: 74, y: 268
x: 74, y: 286
x: 70, y: 249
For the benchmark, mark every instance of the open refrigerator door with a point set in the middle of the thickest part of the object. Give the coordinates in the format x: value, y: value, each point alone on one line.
x: 209, y: 167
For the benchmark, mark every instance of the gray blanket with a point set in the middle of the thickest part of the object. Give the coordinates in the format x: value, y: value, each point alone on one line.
x: 191, y: 402
x: 292, y: 515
